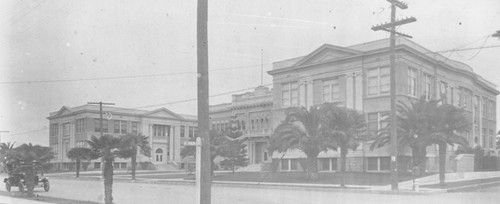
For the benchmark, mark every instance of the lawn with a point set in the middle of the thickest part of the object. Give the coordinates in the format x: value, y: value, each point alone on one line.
x: 351, y: 178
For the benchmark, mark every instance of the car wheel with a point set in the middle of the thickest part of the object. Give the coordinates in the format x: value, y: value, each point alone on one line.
x: 21, y: 187
x: 7, y: 186
x: 46, y: 186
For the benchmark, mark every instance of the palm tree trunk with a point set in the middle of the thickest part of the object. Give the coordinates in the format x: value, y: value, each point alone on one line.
x: 343, y: 155
x: 108, y: 180
x: 134, y: 166
x: 442, y: 162
x: 312, y: 167
x: 77, y: 168
x: 30, y: 182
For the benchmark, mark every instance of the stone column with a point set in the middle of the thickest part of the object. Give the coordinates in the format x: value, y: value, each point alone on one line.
x: 171, y: 144
x: 310, y: 91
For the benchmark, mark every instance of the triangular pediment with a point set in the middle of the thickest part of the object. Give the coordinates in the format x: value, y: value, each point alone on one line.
x: 327, y: 53
x: 163, y: 113
x: 64, y: 111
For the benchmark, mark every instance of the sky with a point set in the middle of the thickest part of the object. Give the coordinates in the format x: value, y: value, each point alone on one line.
x: 142, y: 54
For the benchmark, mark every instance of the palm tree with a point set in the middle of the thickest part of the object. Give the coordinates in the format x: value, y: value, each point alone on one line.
x: 217, y: 147
x: 345, y: 128
x: 301, y: 130
x: 81, y: 153
x: 28, y: 156
x: 413, y: 127
x: 129, y: 146
x: 4, y: 148
x: 106, y: 147
x: 426, y: 123
x: 447, y: 121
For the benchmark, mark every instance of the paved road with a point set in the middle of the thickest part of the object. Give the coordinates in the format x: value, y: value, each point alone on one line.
x: 125, y: 193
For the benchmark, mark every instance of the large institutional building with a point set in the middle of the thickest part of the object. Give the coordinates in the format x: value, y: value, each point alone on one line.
x: 167, y: 132
x: 355, y: 77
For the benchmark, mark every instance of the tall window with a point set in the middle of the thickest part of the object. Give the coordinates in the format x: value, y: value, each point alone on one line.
x: 485, y: 107
x: 331, y: 90
x: 66, y: 129
x: 161, y: 130
x: 120, y: 126
x: 192, y: 132
x: 97, y: 125
x: 427, y: 86
x: 183, y: 131
x: 412, y: 81
x: 54, y: 130
x: 378, y: 81
x: 476, y: 110
x: 134, y: 126
x: 159, y: 155
x: 80, y: 125
x: 55, y: 149
x: 443, y: 92
x: 377, y: 121
x: 290, y: 94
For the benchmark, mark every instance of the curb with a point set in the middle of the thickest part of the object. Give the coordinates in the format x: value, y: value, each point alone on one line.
x: 283, y: 186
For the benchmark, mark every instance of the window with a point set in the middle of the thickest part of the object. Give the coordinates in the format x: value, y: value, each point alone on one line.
x: 412, y: 81
x: 290, y: 94
x: 183, y: 131
x: 492, y: 140
x: 65, y: 148
x: 55, y: 149
x: 466, y: 99
x: 97, y: 165
x: 492, y: 110
x: 485, y: 139
x: 81, y: 144
x: 97, y: 125
x: 443, y: 92
x: 378, y: 81
x: 159, y: 155
x: 192, y: 132
x: 427, y: 86
x: 80, y: 125
x: 331, y: 90
x: 54, y: 130
x: 378, y: 163
x: 476, y: 110
x: 120, y: 126
x: 134, y: 126
x: 161, y: 130
x: 485, y: 107
x: 328, y: 164
x: 66, y: 129
x: 289, y: 164
x: 377, y: 121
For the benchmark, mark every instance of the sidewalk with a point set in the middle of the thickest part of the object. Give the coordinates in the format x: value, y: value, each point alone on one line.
x: 12, y: 200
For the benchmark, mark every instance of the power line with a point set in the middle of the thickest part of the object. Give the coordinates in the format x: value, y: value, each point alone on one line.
x: 32, y: 131
x: 121, y: 77
x: 194, y: 99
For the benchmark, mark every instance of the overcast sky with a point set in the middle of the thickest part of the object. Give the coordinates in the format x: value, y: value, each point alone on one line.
x: 143, y: 53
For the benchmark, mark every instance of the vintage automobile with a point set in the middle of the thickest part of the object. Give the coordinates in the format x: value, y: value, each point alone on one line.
x: 17, y: 175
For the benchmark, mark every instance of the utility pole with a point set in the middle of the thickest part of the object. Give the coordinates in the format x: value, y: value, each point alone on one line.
x: 261, y: 67
x: 203, y: 115
x: 391, y: 27
x: 101, y: 124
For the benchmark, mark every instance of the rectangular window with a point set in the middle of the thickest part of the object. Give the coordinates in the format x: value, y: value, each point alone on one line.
x: 97, y: 125
x: 191, y: 131
x: 285, y: 165
x: 66, y: 129
x: 97, y: 165
x: 325, y: 164
x: 492, y: 140
x: 485, y: 139
x: 293, y: 164
x: 476, y: 110
x: 183, y: 131
x: 161, y: 130
x: 134, y: 127
x: 485, y: 107
x: 412, y: 81
x: 378, y: 81
x: 331, y: 90
x: 427, y: 86
x: 54, y: 130
x: 120, y: 127
x: 55, y: 149
x: 80, y: 125
x: 372, y: 164
x: 290, y: 94
x: 443, y: 92
x: 377, y: 121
